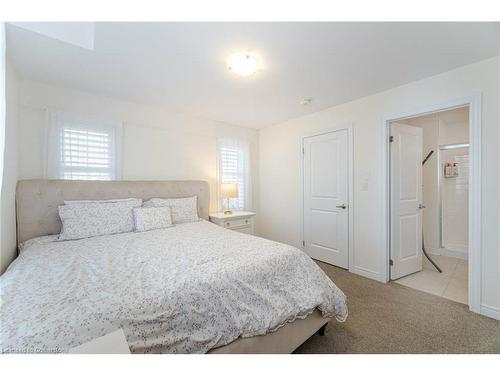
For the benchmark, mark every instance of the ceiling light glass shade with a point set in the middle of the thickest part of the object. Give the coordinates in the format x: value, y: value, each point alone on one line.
x: 243, y: 63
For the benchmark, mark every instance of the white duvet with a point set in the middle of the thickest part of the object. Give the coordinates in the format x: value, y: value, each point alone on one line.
x: 185, y: 289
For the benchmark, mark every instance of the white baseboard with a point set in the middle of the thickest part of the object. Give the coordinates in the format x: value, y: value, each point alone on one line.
x: 452, y: 253
x: 366, y: 273
x: 433, y: 251
x: 490, y: 311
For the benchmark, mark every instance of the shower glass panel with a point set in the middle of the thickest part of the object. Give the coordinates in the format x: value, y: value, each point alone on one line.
x: 454, y: 197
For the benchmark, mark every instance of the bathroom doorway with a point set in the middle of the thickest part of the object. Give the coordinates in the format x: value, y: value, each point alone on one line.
x: 429, y: 203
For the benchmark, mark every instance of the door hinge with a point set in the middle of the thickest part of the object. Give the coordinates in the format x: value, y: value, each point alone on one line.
x: 391, y: 138
x: 391, y: 262
x: 304, y: 243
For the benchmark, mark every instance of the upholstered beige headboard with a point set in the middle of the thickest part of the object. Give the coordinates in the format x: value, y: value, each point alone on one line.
x: 37, y: 200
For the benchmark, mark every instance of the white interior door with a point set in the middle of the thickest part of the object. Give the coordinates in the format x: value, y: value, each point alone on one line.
x: 326, y: 230
x: 406, y: 200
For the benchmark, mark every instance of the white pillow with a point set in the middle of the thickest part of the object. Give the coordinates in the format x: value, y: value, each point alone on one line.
x: 96, y: 219
x: 184, y: 210
x: 149, y: 218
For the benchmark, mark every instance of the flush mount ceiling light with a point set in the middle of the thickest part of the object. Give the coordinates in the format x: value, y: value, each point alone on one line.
x: 243, y: 63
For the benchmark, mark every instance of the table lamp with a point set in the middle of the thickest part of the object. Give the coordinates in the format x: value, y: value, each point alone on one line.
x: 229, y: 191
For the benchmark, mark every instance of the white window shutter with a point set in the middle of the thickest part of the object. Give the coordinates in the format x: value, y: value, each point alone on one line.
x: 234, y: 168
x: 82, y: 148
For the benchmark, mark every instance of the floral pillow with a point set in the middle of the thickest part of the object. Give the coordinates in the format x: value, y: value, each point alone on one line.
x: 183, y: 210
x: 97, y: 219
x: 149, y: 218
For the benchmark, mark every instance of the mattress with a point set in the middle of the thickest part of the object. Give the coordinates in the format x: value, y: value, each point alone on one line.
x: 190, y: 288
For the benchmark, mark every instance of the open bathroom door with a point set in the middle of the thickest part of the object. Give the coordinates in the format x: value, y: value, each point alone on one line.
x: 406, y: 200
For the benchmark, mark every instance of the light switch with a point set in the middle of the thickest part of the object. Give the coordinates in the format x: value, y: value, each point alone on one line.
x: 365, y: 181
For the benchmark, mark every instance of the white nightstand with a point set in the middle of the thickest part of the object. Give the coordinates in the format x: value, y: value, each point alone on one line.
x: 239, y: 221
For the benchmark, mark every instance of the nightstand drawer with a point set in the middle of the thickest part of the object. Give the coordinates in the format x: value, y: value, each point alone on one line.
x: 237, y: 223
x: 246, y: 230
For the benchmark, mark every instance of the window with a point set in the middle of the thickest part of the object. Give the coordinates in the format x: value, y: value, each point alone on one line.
x: 82, y: 149
x: 234, y: 168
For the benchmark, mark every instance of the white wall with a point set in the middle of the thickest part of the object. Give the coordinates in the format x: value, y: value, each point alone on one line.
x: 157, y: 143
x: 280, y: 163
x: 10, y: 172
x: 438, y: 129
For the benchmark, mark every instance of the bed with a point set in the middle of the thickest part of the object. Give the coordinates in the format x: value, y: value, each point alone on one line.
x: 192, y: 288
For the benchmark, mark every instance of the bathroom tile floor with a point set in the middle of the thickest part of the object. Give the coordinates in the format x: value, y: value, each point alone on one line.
x: 451, y: 284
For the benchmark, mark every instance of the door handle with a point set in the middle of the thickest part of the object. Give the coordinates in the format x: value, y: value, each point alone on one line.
x: 421, y: 206
x: 342, y: 206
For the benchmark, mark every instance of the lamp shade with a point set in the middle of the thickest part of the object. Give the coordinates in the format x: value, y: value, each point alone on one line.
x: 229, y: 190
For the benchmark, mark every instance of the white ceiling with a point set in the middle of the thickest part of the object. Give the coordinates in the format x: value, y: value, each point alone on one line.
x: 182, y: 65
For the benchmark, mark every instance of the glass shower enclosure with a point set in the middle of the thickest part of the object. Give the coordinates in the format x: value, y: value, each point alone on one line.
x: 453, y: 165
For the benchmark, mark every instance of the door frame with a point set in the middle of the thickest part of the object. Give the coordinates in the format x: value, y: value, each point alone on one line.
x: 350, y: 179
x: 474, y: 251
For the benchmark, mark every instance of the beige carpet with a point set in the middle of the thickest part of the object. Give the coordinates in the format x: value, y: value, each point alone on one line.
x: 392, y: 318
